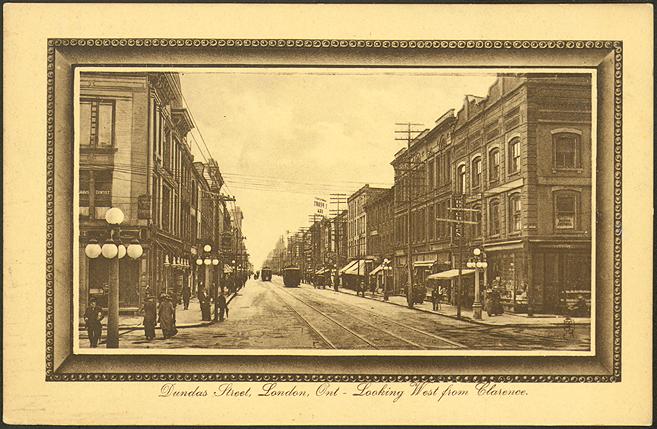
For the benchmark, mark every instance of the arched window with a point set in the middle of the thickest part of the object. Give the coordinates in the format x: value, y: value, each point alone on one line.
x: 514, y: 156
x: 566, y: 210
x: 476, y: 172
x: 494, y: 217
x: 566, y: 150
x: 460, y: 183
x: 494, y: 165
x: 515, y: 213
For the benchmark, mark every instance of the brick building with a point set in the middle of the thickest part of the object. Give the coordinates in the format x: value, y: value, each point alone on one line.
x: 521, y: 157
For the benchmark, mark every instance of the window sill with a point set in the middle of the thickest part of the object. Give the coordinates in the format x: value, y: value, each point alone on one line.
x: 97, y: 149
x: 514, y: 174
x: 567, y: 170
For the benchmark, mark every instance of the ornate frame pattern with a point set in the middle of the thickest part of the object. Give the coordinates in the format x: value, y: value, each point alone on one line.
x: 615, y: 47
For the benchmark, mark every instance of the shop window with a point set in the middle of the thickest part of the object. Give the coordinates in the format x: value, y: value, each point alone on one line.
x: 494, y: 217
x: 494, y: 165
x: 566, y: 207
x: 96, y: 123
x: 461, y: 179
x: 566, y: 150
x: 476, y: 172
x: 515, y: 213
x: 514, y: 156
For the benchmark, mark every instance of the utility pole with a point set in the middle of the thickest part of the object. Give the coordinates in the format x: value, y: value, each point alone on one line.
x: 337, y: 200
x: 458, y: 222
x: 410, y: 134
x: 303, y: 231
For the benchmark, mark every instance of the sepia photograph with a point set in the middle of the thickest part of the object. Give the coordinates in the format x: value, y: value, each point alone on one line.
x: 411, y: 210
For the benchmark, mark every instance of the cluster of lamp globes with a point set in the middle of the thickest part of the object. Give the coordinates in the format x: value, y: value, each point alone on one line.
x: 477, y: 263
x: 110, y: 249
x: 207, y: 261
x: 386, y: 264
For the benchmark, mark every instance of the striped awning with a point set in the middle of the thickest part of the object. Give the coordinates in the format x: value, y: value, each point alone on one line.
x: 449, y: 274
x: 348, y: 266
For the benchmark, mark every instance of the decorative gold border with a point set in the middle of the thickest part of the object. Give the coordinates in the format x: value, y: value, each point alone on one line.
x: 616, y: 46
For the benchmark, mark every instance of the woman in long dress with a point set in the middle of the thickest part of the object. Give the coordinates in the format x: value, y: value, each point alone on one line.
x: 167, y: 317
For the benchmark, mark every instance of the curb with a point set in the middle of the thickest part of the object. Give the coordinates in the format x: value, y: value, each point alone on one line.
x: 551, y: 325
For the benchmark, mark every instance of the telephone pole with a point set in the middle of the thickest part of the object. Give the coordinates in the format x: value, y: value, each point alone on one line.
x: 458, y: 221
x: 337, y: 200
x: 410, y: 133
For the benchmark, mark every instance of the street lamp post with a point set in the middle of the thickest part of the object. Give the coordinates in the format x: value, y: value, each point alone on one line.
x: 386, y: 268
x: 478, y: 262
x: 113, y: 250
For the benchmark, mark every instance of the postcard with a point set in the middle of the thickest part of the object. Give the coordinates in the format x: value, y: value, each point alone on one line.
x: 292, y: 223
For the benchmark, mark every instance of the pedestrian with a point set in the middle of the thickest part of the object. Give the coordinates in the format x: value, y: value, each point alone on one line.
x: 92, y: 317
x: 203, y: 303
x: 434, y: 298
x: 580, y: 308
x: 186, y: 293
x: 223, y: 306
x: 150, y: 317
x: 361, y: 289
x: 167, y: 317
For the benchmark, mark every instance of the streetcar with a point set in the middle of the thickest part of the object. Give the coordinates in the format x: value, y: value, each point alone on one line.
x: 291, y: 276
x: 265, y: 274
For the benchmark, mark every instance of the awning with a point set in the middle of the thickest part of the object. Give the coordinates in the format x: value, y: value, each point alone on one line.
x: 428, y: 264
x: 376, y: 270
x: 348, y: 266
x: 449, y: 274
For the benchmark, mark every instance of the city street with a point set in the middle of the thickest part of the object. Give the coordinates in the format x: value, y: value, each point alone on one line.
x: 266, y: 315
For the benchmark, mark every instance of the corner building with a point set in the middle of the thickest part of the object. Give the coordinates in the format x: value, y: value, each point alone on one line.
x: 522, y: 159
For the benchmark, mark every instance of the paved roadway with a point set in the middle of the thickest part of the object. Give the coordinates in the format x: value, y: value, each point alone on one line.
x: 266, y: 315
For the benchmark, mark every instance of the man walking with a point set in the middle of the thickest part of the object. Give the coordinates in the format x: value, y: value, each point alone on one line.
x: 92, y: 317
x: 223, y: 306
x: 150, y: 317
x: 186, y: 293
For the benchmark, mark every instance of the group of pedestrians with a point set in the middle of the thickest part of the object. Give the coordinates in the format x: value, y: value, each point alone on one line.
x: 205, y: 301
x: 164, y: 311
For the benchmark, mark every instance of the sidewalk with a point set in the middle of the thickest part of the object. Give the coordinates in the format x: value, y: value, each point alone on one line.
x: 505, y: 320
x: 190, y: 318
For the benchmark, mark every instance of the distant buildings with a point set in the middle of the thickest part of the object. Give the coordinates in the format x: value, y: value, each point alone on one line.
x: 520, y: 161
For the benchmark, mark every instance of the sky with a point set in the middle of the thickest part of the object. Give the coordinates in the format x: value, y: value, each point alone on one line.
x: 284, y: 136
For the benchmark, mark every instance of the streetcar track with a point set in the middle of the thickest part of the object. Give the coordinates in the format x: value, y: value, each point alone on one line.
x: 333, y: 320
x: 306, y: 321
x: 420, y: 346
x: 412, y: 328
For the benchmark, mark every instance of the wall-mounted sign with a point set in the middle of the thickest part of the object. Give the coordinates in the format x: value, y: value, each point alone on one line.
x: 144, y: 207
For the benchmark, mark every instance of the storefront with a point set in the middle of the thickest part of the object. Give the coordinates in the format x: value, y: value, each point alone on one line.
x: 446, y: 282
x: 507, y: 274
x: 561, y: 272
